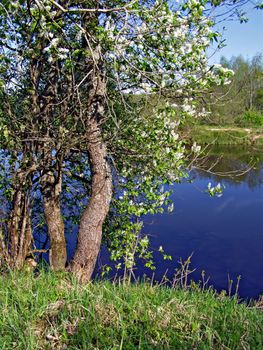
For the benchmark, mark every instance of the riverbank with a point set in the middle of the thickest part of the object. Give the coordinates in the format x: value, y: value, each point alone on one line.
x: 53, y: 312
x: 204, y: 135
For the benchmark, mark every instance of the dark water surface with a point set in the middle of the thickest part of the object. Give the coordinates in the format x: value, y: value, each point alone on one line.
x: 225, y: 234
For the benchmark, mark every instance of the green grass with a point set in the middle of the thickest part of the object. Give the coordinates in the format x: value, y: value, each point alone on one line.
x: 204, y: 135
x: 207, y: 135
x: 53, y: 312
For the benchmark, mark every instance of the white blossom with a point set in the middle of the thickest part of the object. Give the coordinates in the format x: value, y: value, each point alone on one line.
x: 195, y: 148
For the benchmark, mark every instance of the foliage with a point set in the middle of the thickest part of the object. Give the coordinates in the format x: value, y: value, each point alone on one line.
x: 140, y: 190
x: 253, y: 118
x: 239, y: 102
x: 67, y: 73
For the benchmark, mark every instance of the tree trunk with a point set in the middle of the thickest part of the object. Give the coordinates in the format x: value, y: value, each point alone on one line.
x: 14, y: 225
x: 90, y: 230
x: 51, y: 191
x: 19, y: 228
x: 25, y: 233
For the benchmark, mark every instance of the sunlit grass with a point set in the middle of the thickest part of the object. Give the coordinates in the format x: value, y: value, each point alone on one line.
x: 54, y: 312
x: 205, y: 135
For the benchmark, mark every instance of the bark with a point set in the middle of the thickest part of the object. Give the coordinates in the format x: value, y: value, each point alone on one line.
x: 51, y: 192
x: 90, y: 230
x: 20, y: 231
x: 25, y: 234
x: 19, y: 228
x: 14, y: 225
x: 92, y: 219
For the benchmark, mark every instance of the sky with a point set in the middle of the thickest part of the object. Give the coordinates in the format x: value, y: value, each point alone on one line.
x: 245, y: 39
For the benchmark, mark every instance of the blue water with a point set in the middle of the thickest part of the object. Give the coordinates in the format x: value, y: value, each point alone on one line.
x: 224, y: 234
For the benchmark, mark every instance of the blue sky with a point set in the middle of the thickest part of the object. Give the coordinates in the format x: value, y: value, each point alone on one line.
x: 245, y: 39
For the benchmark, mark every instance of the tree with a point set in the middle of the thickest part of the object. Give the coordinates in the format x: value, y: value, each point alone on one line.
x: 242, y: 95
x: 68, y: 72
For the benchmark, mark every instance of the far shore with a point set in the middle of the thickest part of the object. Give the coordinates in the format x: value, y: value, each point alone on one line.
x: 227, y: 135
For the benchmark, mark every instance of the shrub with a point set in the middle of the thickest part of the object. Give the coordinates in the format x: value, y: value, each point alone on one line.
x: 252, y: 118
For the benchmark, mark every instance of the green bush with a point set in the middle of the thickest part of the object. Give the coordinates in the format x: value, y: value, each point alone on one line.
x: 252, y: 118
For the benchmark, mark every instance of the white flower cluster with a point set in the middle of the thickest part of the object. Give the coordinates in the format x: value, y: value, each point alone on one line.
x: 166, y: 50
x: 189, y: 109
x: 55, y: 51
x: 220, y: 75
x: 195, y: 148
x: 53, y: 43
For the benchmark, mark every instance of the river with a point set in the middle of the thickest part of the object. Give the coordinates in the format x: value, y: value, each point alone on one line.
x: 225, y: 235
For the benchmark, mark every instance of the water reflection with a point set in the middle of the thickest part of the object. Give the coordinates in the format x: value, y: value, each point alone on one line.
x: 234, y: 165
x: 224, y: 233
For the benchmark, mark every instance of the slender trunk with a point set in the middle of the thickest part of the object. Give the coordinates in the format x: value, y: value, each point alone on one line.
x: 4, y: 256
x: 55, y: 223
x: 25, y: 233
x: 90, y: 230
x: 14, y: 225
x: 19, y: 228
x: 251, y: 94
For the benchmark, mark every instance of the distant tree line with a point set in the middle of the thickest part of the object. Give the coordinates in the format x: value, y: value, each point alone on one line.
x: 241, y: 101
